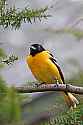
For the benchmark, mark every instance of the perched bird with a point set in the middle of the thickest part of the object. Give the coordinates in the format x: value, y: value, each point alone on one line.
x: 46, y: 70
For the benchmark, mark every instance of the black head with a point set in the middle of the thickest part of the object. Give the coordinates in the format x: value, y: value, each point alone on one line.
x: 36, y: 48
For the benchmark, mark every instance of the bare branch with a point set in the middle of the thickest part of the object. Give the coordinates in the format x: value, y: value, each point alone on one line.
x: 77, y: 22
x: 50, y: 87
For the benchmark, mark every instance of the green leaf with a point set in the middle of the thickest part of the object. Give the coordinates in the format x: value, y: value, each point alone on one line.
x: 14, y: 17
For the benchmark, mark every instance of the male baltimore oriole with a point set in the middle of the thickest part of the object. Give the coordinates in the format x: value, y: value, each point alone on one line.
x: 44, y: 67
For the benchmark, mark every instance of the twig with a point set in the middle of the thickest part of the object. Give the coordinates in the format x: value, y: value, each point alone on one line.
x: 77, y: 22
x: 50, y: 87
x: 10, y: 60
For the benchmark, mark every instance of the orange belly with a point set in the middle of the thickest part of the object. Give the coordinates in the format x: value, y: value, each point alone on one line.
x: 43, y: 73
x: 43, y: 69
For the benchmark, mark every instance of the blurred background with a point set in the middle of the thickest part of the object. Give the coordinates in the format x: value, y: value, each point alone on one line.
x: 65, y: 46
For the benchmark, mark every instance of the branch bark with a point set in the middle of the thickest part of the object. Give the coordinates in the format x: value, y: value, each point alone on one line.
x: 50, y: 87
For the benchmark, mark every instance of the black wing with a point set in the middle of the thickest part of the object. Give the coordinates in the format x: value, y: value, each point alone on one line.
x: 52, y: 56
x: 61, y: 74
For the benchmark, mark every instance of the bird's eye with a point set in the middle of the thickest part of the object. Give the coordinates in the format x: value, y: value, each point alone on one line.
x: 32, y: 47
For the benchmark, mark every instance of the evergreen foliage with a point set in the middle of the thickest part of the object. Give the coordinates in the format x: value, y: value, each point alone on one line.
x: 71, y: 117
x: 2, y: 53
x: 9, y: 60
x: 74, y: 117
x: 9, y: 106
x: 2, y: 56
x: 14, y: 17
x: 10, y: 101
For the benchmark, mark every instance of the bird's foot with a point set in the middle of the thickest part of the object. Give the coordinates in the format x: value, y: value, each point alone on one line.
x: 37, y: 85
x: 57, y: 83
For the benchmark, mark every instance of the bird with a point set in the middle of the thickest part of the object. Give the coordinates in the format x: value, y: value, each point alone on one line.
x: 46, y: 70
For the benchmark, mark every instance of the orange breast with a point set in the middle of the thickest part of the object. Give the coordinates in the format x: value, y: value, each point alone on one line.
x: 42, y: 68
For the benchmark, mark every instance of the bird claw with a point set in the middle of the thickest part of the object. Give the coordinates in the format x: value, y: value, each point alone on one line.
x: 37, y: 85
x: 57, y: 83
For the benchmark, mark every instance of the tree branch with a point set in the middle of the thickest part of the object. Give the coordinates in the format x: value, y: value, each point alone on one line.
x: 9, y: 60
x: 50, y: 87
x: 15, y: 17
